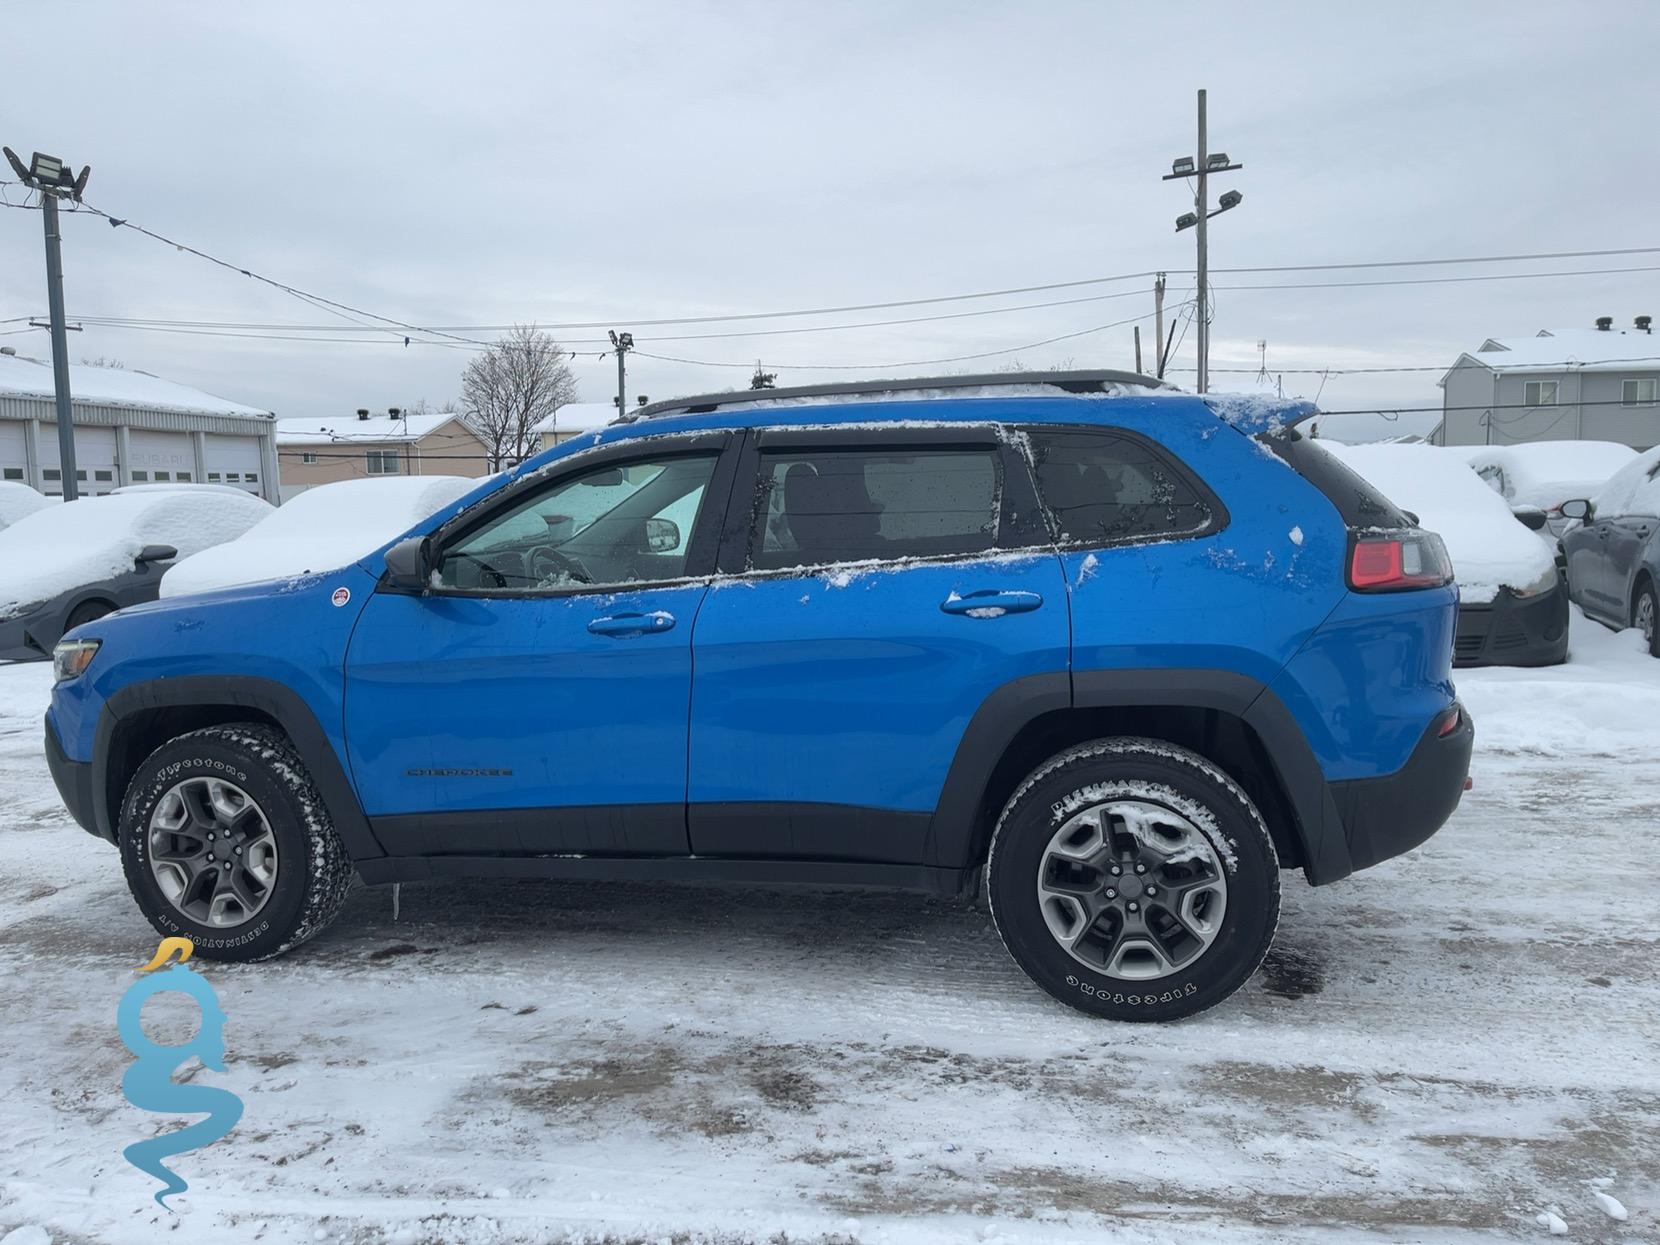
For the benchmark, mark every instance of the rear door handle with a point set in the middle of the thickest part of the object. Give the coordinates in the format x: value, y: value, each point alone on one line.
x: 632, y: 624
x: 991, y: 603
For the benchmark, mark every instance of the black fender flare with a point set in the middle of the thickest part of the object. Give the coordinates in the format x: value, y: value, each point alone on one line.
x: 1014, y: 706
x: 275, y: 700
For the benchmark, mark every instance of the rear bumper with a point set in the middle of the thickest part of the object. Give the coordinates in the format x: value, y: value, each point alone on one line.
x: 74, y: 782
x: 1512, y: 631
x: 1384, y: 817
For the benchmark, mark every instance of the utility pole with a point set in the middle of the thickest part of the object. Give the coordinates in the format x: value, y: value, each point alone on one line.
x: 1138, y: 349
x: 1158, y: 325
x: 52, y: 179
x: 1200, y: 169
x: 622, y: 343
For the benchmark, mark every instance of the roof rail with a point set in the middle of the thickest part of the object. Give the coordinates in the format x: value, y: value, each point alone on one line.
x: 1071, y: 382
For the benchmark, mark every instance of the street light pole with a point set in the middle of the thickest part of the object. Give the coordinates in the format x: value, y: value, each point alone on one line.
x: 622, y: 343
x: 1200, y: 169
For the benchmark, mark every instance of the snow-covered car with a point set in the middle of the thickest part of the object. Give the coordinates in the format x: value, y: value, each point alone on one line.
x: 1546, y: 473
x: 323, y: 528
x: 18, y: 500
x: 1614, y: 554
x: 1512, y: 603
x: 70, y: 563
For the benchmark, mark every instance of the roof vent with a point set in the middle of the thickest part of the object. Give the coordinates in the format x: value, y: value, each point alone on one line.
x: 363, y: 412
x: 394, y: 411
x: 1605, y: 323
x: 1643, y: 322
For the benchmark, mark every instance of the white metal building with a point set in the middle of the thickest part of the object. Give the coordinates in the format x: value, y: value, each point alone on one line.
x: 130, y: 428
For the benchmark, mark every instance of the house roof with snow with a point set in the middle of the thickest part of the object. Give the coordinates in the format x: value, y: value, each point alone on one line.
x: 354, y: 429
x: 24, y: 377
x: 579, y: 417
x: 1567, y: 350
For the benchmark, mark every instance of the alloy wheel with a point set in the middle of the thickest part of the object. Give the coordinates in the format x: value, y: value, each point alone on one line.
x: 212, y: 851
x: 1132, y: 889
x: 1645, y: 617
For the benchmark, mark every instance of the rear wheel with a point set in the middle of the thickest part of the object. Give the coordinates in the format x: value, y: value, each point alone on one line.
x: 226, y: 841
x: 1132, y: 879
x: 1645, y: 616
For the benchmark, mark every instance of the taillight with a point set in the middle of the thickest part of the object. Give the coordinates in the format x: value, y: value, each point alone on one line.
x: 1398, y: 561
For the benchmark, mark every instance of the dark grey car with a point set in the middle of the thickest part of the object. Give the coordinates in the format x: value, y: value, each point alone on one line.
x: 1613, y: 559
x: 30, y: 632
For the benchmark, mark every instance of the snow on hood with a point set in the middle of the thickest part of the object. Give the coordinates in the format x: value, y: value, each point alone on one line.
x: 17, y: 500
x: 322, y: 529
x: 1633, y: 489
x: 1548, y: 473
x: 1490, y: 549
x: 81, y: 542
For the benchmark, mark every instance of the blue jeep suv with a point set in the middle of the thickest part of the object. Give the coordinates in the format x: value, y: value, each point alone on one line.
x: 1116, y: 653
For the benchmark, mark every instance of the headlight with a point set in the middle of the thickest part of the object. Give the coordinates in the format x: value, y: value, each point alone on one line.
x: 71, y: 657
x: 1540, y: 586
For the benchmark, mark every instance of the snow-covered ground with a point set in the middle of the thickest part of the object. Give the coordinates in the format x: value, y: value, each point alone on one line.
x: 1463, y: 1044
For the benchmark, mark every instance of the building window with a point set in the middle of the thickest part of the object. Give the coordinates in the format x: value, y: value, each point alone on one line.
x: 383, y: 462
x: 52, y: 474
x: 1637, y: 393
x: 183, y: 475
x: 81, y: 476
x: 104, y: 477
x: 1539, y: 393
x: 14, y: 473
x: 308, y: 458
x: 250, y: 478
x: 162, y: 475
x: 140, y: 477
x: 213, y: 477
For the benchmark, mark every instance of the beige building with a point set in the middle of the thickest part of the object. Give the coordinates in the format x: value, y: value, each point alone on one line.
x: 352, y: 447
x: 572, y: 420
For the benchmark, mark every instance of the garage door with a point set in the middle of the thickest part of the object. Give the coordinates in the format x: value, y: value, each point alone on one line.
x: 14, y: 452
x: 161, y: 457
x: 94, y: 461
x: 233, y: 460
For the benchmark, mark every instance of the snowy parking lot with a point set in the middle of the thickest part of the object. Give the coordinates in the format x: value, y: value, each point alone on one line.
x: 1462, y: 1044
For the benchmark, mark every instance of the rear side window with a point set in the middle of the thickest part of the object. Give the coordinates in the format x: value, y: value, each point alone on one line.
x: 858, y: 505
x: 1357, y: 500
x: 1103, y: 487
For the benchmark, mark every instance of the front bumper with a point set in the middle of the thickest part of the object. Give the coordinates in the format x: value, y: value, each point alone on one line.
x: 17, y: 638
x: 1384, y: 817
x: 1514, y: 631
x: 74, y: 782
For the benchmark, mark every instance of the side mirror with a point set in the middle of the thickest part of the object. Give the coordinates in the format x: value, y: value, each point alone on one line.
x: 155, y: 553
x: 1412, y: 518
x: 1530, y: 517
x: 662, y: 535
x: 1578, y: 508
x: 409, y: 565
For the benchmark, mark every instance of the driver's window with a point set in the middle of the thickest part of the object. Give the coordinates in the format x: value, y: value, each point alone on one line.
x: 607, y: 526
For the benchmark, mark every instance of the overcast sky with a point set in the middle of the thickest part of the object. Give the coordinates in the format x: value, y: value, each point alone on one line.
x: 486, y: 163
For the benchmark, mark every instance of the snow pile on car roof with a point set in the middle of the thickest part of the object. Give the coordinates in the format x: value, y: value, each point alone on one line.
x: 81, y: 542
x: 17, y: 500
x: 1633, y: 489
x: 1490, y: 548
x: 1548, y: 473
x: 323, y: 529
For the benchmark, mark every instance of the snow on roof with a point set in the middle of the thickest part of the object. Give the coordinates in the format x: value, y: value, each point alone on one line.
x: 322, y: 529
x: 1488, y: 546
x: 579, y: 417
x: 334, y: 429
x: 1563, y: 350
x: 23, y: 376
x: 1633, y: 489
x: 1548, y: 473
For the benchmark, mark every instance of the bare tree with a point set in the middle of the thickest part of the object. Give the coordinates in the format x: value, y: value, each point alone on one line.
x: 513, y: 386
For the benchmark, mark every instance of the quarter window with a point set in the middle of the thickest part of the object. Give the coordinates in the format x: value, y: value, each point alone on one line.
x: 854, y: 506
x: 1637, y: 393
x: 1103, y: 487
x: 1539, y: 393
x: 604, y: 527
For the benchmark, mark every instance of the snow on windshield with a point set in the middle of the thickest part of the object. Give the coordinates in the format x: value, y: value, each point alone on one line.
x: 1634, y: 489
x: 1490, y: 549
x: 81, y: 542
x: 323, y: 528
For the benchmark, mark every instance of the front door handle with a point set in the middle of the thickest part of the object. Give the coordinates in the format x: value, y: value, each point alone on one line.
x: 991, y: 603
x: 632, y: 624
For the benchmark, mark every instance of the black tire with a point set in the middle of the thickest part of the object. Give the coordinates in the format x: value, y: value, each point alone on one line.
x: 1152, y: 774
x: 85, y: 612
x: 1647, y: 593
x: 313, y: 872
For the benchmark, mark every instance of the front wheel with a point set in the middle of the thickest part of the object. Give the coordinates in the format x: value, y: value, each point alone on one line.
x: 1133, y: 879
x: 226, y: 841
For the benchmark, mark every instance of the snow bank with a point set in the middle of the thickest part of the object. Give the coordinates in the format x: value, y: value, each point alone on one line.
x: 1489, y: 548
x: 320, y: 530
x: 1633, y: 489
x: 17, y: 500
x: 80, y: 542
x: 1548, y: 473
